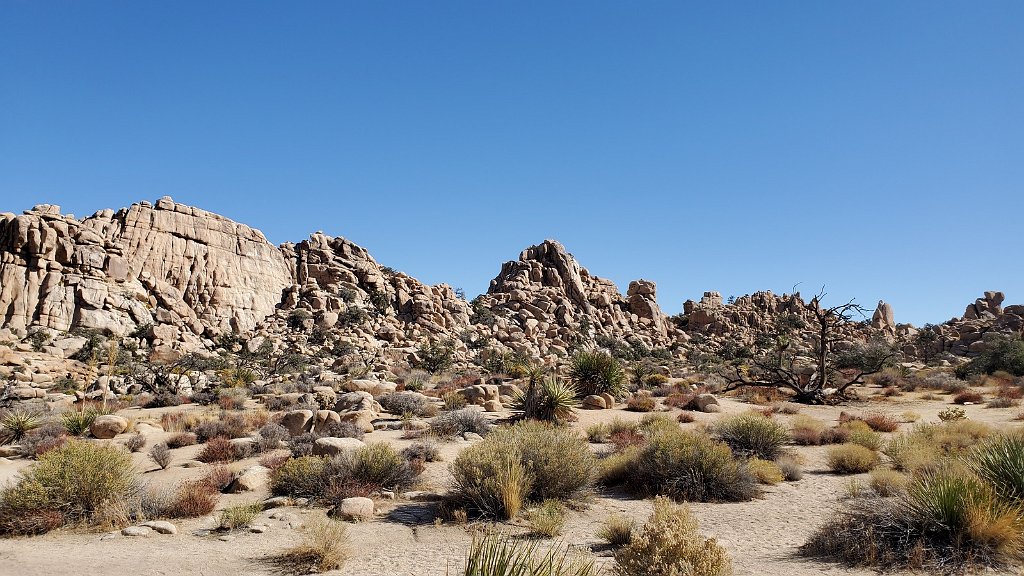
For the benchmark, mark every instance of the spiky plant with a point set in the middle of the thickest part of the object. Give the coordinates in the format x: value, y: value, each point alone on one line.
x: 497, y: 554
x: 597, y: 373
x: 549, y: 400
x: 77, y: 422
x: 1000, y: 462
x: 16, y: 423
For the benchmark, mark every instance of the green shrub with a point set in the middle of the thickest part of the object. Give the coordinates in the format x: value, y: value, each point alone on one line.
x: 690, y: 466
x: 239, y: 516
x: 497, y: 554
x: 888, y: 482
x: 1007, y: 355
x: 597, y: 373
x: 301, y: 477
x: 753, y: 435
x: 669, y: 544
x: 78, y: 482
x: 852, y: 459
x: 860, y: 433
x: 528, y: 462
x: 379, y: 465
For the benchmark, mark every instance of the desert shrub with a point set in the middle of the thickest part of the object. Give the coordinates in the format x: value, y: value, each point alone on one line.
x: 186, y: 500
x: 598, y: 433
x: 669, y: 544
x: 408, y: 403
x: 685, y: 418
x: 787, y: 408
x: 301, y: 477
x: 654, y: 380
x: 41, y: 440
x: 791, y: 468
x: 218, y: 449
x: 1002, y: 402
x: 1005, y: 355
x: 807, y: 431
x: 453, y: 401
x: 851, y: 459
x: 424, y: 450
x: 835, y: 435
x: 617, y: 530
x: 324, y: 547
x: 161, y: 455
x: 614, y: 469
x: 163, y: 400
x: 136, y: 442
x: 597, y: 373
x: 641, y: 402
x: 302, y: 445
x: 952, y: 414
x: 753, y: 435
x: 881, y: 422
x: 437, y: 356
x: 862, y: 434
x: 681, y: 400
x: 496, y: 554
x: 378, y: 464
x: 181, y: 439
x: 549, y: 400
x: 458, y: 422
x: 547, y: 519
x: 528, y: 462
x: 15, y: 424
x: 78, y: 482
x: 689, y: 466
x: 910, y: 416
x: 77, y: 422
x: 968, y: 397
x: 887, y: 482
x: 239, y: 516
x: 270, y: 436
x: 765, y: 471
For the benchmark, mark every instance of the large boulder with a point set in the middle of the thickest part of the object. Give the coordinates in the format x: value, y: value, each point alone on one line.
x: 357, y: 508
x: 335, y: 446
x: 107, y: 426
x: 298, y: 421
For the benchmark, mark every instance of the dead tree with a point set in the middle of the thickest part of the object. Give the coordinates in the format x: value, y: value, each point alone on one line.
x: 816, y: 374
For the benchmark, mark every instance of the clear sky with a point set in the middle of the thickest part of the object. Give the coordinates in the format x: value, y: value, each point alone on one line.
x: 875, y: 147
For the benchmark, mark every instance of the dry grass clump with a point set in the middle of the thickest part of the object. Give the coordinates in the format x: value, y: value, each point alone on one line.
x: 887, y: 482
x: 1002, y: 402
x: 324, y: 547
x: 861, y: 434
x: 77, y: 483
x: 528, y: 462
x: 968, y: 397
x: 765, y: 471
x: 408, y: 404
x: 218, y: 449
x: 929, y: 446
x: 617, y: 530
x: 852, y: 459
x: 792, y: 468
x: 457, y: 422
x: 181, y: 439
x: 161, y: 455
x: 753, y: 435
x: 807, y: 431
x: 136, y: 442
x: 359, y: 472
x: 39, y: 441
x: 547, y: 519
x: 187, y: 500
x: 497, y: 554
x: 642, y: 401
x: 669, y: 544
x: 685, y: 418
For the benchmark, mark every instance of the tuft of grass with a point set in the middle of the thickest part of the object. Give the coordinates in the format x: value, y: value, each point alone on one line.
x: 136, y: 442
x: 807, y: 431
x: 617, y: 530
x: 15, y: 424
x: 181, y: 440
x: 791, y: 467
x: 669, y: 544
x: 641, y: 402
x: 77, y: 422
x: 547, y: 519
x: 888, y: 482
x: 324, y: 547
x: 765, y: 471
x: 861, y: 433
x: 852, y: 459
x: 239, y: 516
x: 1000, y: 462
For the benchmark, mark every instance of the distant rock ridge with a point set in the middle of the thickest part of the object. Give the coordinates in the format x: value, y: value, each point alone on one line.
x: 175, y: 277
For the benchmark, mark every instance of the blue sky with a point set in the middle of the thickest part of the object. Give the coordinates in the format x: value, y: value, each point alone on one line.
x: 873, y: 147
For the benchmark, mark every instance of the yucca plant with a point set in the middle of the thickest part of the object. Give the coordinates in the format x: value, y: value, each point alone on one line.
x: 497, y: 554
x: 597, y: 373
x: 16, y: 423
x: 1000, y: 462
x: 77, y: 422
x: 549, y: 399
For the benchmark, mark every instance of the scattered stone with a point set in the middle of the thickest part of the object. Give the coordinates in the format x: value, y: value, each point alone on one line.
x: 161, y: 526
x: 357, y: 508
x: 107, y: 426
x: 136, y: 531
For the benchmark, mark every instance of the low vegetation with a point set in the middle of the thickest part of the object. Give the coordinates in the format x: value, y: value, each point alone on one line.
x: 669, y: 544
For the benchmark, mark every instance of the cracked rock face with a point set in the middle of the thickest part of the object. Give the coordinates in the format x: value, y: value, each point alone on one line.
x: 164, y: 265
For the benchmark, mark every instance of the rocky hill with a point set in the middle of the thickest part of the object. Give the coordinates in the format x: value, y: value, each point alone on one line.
x: 172, y: 279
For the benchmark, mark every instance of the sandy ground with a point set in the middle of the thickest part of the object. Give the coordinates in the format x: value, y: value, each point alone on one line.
x: 761, y: 536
